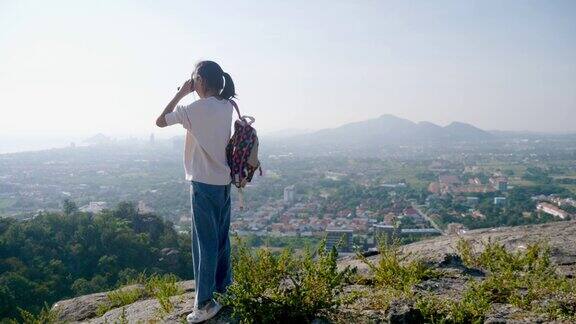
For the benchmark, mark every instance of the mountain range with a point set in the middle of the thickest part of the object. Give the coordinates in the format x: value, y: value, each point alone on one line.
x: 389, y: 129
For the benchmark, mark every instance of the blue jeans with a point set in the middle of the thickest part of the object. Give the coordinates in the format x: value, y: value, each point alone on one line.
x: 210, y: 239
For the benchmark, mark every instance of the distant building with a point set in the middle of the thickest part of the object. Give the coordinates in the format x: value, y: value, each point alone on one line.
x: 143, y: 209
x: 419, y: 231
x: 552, y: 210
x: 390, y: 218
x: 475, y: 181
x: 334, y: 175
x: 94, y: 207
x: 289, y: 194
x: 341, y: 238
x: 499, y: 183
x: 476, y: 214
x: 499, y: 200
x: 502, y: 185
x: 400, y: 184
x: 435, y: 188
x: 448, y: 179
x: 411, y: 212
x: 152, y: 139
x: 455, y: 228
x: 563, y: 202
x: 446, y: 184
x: 569, y: 201
x: 471, y: 201
x: 388, y: 232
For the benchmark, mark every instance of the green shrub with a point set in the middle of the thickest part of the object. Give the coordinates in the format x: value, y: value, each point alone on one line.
x: 466, y: 252
x: 273, y: 288
x: 394, y: 271
x: 394, y: 275
x: 526, y: 279
x: 46, y: 316
x: 471, y: 308
x: 496, y: 259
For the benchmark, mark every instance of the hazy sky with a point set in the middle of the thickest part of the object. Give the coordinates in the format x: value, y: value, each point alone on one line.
x: 69, y: 67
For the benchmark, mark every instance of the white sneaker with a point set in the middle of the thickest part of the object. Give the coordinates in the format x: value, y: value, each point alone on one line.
x: 204, y: 313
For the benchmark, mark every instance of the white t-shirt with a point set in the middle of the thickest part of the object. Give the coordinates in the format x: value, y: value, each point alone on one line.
x: 208, y: 127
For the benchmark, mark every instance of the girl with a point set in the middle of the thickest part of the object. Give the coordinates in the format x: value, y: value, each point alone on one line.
x: 208, y: 126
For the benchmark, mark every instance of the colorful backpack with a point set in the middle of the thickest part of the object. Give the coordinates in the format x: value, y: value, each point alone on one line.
x: 242, y: 153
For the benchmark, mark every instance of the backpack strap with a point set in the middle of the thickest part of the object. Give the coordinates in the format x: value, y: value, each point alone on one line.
x: 236, y: 107
x: 244, y: 118
x: 241, y: 198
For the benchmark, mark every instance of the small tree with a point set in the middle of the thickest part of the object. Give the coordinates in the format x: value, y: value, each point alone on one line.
x: 69, y: 207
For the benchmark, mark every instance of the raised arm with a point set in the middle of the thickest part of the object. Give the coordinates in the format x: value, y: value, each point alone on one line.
x: 185, y: 89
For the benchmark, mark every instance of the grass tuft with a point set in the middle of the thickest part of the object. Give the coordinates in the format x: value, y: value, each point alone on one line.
x: 118, y: 298
x: 162, y: 287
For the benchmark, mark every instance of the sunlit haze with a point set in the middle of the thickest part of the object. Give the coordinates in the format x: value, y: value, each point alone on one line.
x: 76, y: 68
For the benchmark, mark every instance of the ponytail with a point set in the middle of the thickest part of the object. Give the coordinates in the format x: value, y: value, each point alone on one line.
x: 228, y: 92
x: 216, y: 79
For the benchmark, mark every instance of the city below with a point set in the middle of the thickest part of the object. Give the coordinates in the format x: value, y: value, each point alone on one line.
x: 408, y: 191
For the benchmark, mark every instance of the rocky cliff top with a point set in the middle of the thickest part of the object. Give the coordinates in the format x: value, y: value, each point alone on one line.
x: 560, y: 236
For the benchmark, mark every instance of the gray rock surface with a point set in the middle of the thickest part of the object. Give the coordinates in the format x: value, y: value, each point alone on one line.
x: 83, y: 307
x: 561, y: 236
